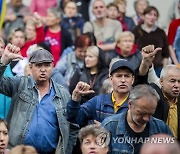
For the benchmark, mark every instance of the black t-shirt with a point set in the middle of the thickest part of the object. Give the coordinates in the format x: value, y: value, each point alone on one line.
x: 137, y: 139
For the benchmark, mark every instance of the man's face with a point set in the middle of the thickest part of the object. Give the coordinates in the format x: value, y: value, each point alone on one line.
x: 141, y: 110
x: 122, y: 80
x: 99, y: 9
x: 41, y: 72
x: 90, y: 145
x: 170, y: 84
x: 3, y: 137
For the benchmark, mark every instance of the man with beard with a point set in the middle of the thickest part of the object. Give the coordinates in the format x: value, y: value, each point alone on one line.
x: 132, y: 128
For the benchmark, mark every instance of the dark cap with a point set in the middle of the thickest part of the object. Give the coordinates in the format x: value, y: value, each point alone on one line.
x: 121, y: 63
x: 41, y: 56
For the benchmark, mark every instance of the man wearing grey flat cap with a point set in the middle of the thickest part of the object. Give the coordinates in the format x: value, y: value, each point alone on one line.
x: 37, y: 115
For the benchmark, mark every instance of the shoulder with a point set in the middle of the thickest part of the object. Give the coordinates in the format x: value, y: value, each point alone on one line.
x: 60, y: 90
x: 115, y: 22
x: 112, y: 120
x: 160, y: 126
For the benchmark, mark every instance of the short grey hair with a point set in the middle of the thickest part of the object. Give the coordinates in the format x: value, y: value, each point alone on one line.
x: 143, y: 90
x: 56, y: 11
x: 167, y: 68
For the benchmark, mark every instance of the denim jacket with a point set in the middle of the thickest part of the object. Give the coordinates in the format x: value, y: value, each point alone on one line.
x: 117, y: 127
x: 24, y: 93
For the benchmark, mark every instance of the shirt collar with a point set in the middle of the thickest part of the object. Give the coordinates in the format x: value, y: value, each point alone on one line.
x: 174, y: 102
x: 152, y: 30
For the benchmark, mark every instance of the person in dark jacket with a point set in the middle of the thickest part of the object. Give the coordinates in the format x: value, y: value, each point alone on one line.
x: 72, y: 20
x: 103, y: 105
x: 132, y: 128
x: 94, y: 72
x: 168, y: 108
x: 37, y: 101
x: 149, y: 33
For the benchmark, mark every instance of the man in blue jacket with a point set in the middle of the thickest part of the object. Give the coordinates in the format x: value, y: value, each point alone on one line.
x: 132, y: 128
x: 37, y: 115
x: 104, y: 105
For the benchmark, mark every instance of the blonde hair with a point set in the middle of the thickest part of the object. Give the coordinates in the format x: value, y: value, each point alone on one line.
x: 125, y: 34
x: 94, y: 50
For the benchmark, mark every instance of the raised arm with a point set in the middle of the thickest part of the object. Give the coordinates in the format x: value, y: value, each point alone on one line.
x: 148, y: 54
x: 77, y: 113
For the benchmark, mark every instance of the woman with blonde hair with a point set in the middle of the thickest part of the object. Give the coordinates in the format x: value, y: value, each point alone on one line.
x: 93, y: 73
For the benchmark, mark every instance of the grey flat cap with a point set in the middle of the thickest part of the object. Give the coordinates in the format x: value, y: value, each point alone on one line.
x: 41, y: 56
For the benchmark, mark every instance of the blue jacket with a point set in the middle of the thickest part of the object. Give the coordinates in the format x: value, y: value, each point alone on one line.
x: 97, y: 108
x: 5, y: 101
x: 117, y: 127
x: 24, y: 93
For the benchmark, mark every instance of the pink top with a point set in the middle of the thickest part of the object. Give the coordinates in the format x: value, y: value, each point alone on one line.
x: 41, y: 6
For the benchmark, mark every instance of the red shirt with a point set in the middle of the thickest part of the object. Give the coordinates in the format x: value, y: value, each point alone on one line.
x: 172, y: 30
x: 39, y: 38
x: 54, y: 41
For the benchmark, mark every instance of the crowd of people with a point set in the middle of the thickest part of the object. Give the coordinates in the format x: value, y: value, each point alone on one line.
x: 73, y: 85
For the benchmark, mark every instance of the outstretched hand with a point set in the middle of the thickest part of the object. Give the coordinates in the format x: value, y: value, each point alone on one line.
x: 10, y: 52
x: 81, y: 89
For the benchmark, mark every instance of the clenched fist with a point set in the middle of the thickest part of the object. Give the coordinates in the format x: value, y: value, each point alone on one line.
x: 10, y: 52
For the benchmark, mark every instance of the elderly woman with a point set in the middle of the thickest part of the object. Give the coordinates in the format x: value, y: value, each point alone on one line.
x: 94, y: 139
x: 4, y: 138
x: 126, y: 49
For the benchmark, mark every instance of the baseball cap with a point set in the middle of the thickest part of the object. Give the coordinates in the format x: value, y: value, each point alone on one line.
x: 121, y: 63
x: 41, y: 56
